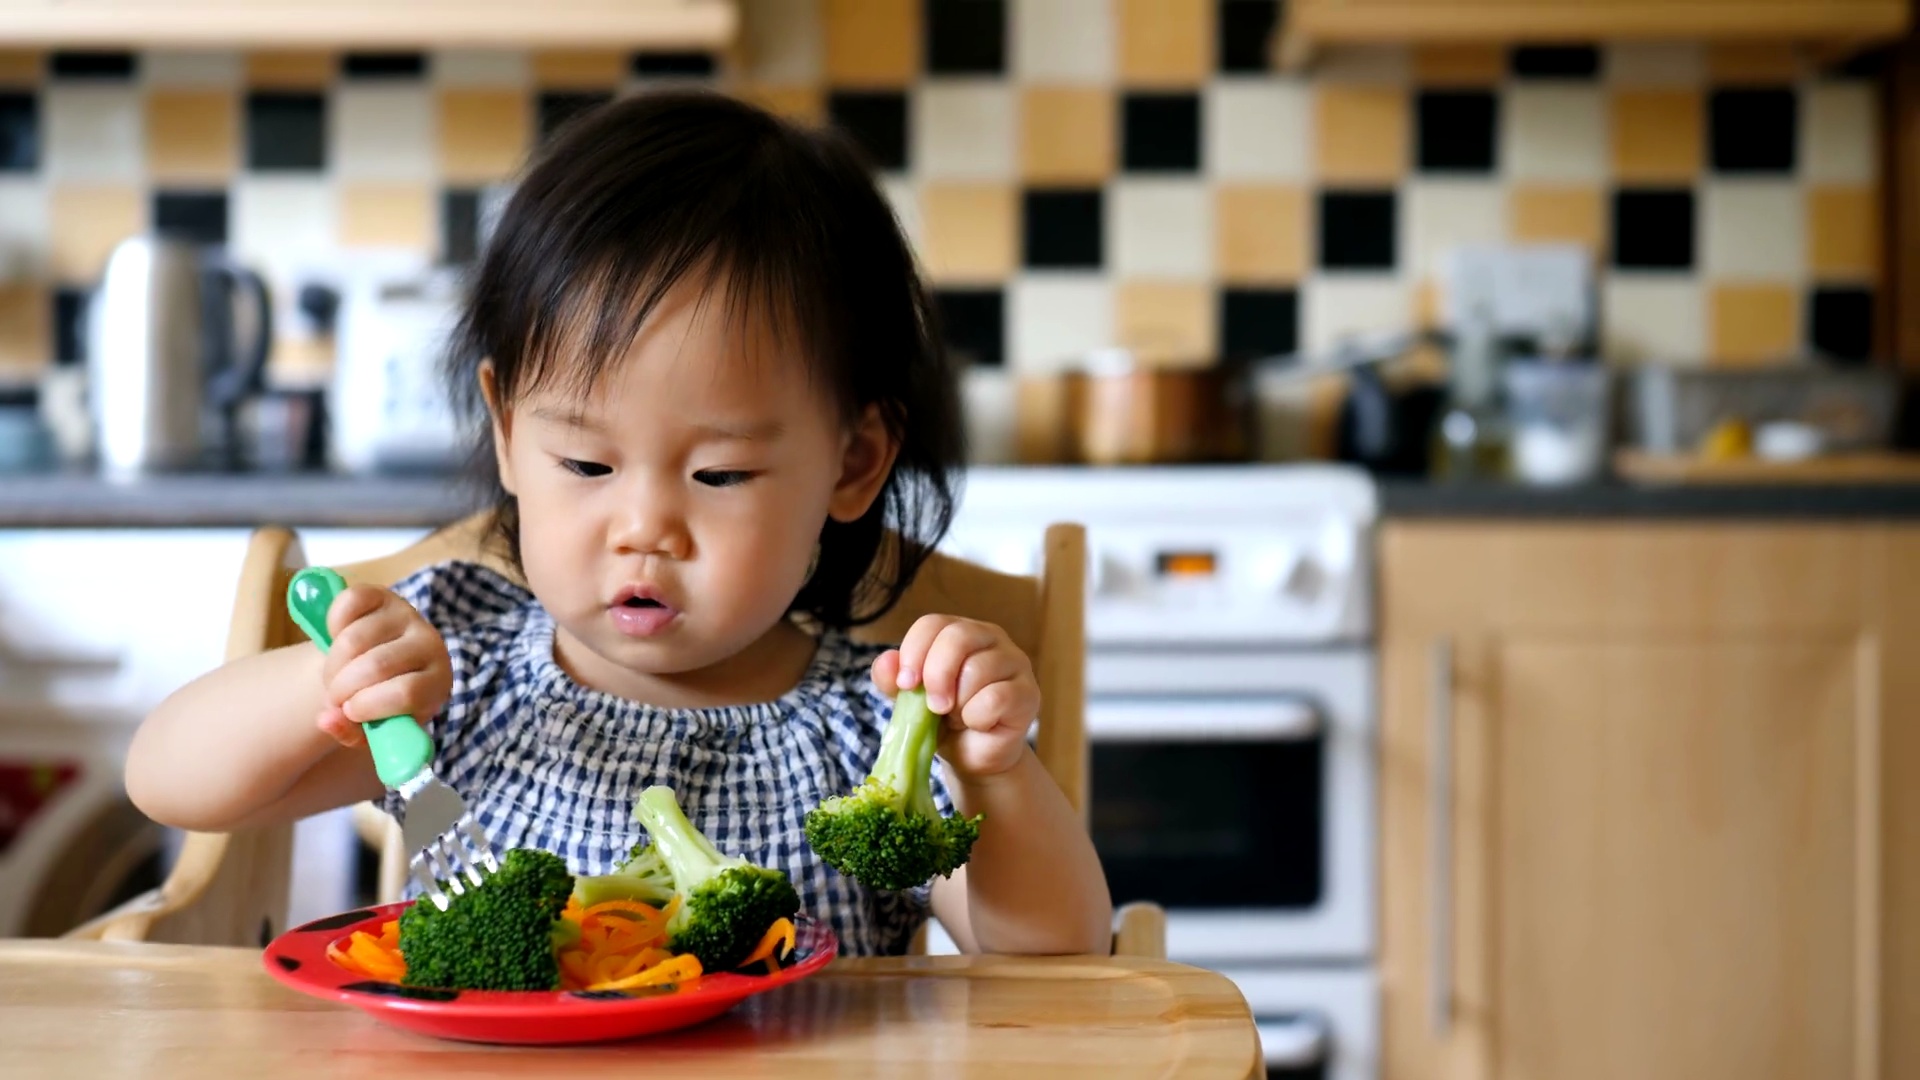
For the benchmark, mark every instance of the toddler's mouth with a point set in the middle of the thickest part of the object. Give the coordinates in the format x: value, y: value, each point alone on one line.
x: 639, y: 612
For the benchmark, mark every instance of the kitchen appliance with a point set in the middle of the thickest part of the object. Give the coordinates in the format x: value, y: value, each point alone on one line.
x: 1558, y: 420
x: 1231, y: 721
x: 388, y: 410
x: 1125, y: 413
x: 166, y: 359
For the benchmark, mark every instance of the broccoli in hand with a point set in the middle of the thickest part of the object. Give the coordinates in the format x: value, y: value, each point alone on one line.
x: 501, y: 936
x: 887, y: 833
x: 727, y: 903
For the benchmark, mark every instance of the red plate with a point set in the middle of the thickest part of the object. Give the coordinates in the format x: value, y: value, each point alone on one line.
x: 299, y: 959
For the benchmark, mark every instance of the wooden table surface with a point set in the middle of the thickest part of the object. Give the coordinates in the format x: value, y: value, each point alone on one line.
x: 162, y: 1011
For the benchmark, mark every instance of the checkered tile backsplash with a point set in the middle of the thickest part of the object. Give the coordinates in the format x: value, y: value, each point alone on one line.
x: 1073, y: 172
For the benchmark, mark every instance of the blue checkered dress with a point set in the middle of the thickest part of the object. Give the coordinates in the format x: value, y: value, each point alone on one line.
x: 544, y: 762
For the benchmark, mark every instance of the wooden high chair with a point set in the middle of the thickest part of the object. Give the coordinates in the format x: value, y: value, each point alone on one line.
x: 231, y: 888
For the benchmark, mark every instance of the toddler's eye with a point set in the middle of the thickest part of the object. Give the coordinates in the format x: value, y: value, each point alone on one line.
x: 585, y: 468
x: 722, y: 477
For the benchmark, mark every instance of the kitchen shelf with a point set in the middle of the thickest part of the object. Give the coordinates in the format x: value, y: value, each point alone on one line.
x: 1851, y: 468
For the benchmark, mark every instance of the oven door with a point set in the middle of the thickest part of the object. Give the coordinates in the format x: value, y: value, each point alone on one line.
x: 1236, y: 792
x: 1314, y: 1024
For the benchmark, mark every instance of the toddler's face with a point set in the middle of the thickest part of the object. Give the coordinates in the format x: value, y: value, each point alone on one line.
x: 668, y: 518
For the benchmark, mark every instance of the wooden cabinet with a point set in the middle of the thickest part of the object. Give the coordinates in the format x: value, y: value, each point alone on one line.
x: 1317, y: 22
x: 1648, y: 806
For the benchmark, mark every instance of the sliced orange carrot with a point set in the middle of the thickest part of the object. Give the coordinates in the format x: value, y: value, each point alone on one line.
x: 780, y: 934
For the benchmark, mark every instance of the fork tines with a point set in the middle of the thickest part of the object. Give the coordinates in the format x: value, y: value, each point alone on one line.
x: 435, y: 865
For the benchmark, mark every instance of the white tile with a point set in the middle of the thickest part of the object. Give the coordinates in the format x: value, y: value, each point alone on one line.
x: 1337, y: 306
x: 93, y: 133
x: 24, y: 234
x: 1160, y: 229
x: 1839, y: 133
x: 904, y: 197
x: 281, y: 222
x: 1365, y: 64
x: 480, y: 67
x: 1554, y: 133
x: 1649, y: 319
x: 382, y: 133
x: 1655, y: 63
x: 782, y: 41
x: 1440, y: 215
x: 1753, y: 230
x: 1057, y: 319
x: 963, y: 130
x: 1258, y: 129
x: 1070, y: 41
x: 172, y: 67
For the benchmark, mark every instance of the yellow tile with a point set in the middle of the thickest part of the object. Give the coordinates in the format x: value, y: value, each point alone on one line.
x: 969, y: 231
x: 1260, y: 234
x: 1459, y: 65
x: 1557, y: 215
x: 86, y: 224
x: 872, y: 43
x: 579, y: 69
x: 1066, y: 134
x: 20, y: 66
x: 386, y: 215
x: 295, y: 360
x: 290, y: 70
x: 192, y: 134
x: 1750, y: 62
x: 802, y: 104
x: 1657, y: 135
x: 26, y: 326
x: 1843, y: 233
x: 1361, y: 133
x: 1753, y: 324
x: 1165, y: 42
x: 484, y: 134
x: 1166, y: 323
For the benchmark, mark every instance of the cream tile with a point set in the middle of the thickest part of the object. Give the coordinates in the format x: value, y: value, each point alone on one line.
x: 1554, y: 133
x: 1839, y: 133
x: 1057, y: 319
x: 1653, y: 320
x: 782, y: 40
x: 1063, y: 41
x: 1753, y: 230
x: 480, y: 67
x: 192, y: 68
x: 1160, y: 229
x: 1258, y: 129
x: 94, y: 134
x: 1383, y: 64
x: 963, y: 130
x: 904, y: 197
x: 25, y: 235
x: 1657, y: 63
x: 397, y: 216
x: 1441, y: 215
x: 281, y: 223
x: 382, y: 133
x: 1337, y: 306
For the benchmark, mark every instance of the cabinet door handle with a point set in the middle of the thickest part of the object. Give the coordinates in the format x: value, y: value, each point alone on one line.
x: 1440, y: 843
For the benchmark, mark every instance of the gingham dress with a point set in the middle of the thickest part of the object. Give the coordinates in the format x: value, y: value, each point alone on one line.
x: 544, y: 762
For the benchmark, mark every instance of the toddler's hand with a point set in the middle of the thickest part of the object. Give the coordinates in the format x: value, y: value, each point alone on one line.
x: 974, y: 675
x: 386, y: 660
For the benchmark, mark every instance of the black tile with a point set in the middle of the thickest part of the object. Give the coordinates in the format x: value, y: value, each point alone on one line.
x: 1865, y: 64
x: 1752, y: 130
x: 1259, y: 322
x: 1063, y: 228
x: 1653, y: 229
x: 286, y: 132
x: 1454, y: 130
x: 384, y: 65
x: 19, y: 131
x: 92, y: 64
x: 69, y: 330
x: 877, y: 122
x: 1357, y: 230
x: 1840, y: 323
x: 1245, y: 30
x: 656, y: 65
x: 459, y: 226
x: 198, y: 216
x: 1160, y: 132
x: 1555, y: 61
x: 966, y: 37
x: 973, y: 322
x: 558, y: 108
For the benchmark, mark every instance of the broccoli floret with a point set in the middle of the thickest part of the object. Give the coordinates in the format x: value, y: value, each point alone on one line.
x: 500, y: 936
x: 727, y: 903
x: 643, y: 877
x: 888, y: 833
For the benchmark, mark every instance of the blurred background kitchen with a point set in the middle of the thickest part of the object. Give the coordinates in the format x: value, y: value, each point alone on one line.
x: 1491, y: 418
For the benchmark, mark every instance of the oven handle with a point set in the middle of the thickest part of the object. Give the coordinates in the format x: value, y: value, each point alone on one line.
x: 1295, y: 1041
x: 1188, y: 721
x: 1440, y: 817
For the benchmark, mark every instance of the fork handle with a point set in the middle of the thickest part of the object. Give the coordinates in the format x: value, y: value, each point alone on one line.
x: 401, y: 749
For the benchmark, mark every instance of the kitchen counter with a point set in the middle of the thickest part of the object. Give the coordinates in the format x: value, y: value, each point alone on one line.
x: 1417, y: 499
x: 226, y: 500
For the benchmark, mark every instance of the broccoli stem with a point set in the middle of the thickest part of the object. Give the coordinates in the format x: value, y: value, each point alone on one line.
x: 690, y: 857
x: 905, y: 762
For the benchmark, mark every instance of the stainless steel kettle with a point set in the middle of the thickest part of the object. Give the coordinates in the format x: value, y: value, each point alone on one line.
x: 165, y: 364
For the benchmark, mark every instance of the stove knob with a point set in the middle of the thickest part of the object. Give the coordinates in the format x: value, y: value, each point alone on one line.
x: 1303, y: 578
x: 1110, y: 575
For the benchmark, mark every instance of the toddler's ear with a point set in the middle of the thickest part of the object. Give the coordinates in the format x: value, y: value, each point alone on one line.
x: 864, y: 466
x: 502, y: 421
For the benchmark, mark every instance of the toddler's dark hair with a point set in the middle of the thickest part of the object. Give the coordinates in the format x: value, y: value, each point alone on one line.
x: 630, y: 199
